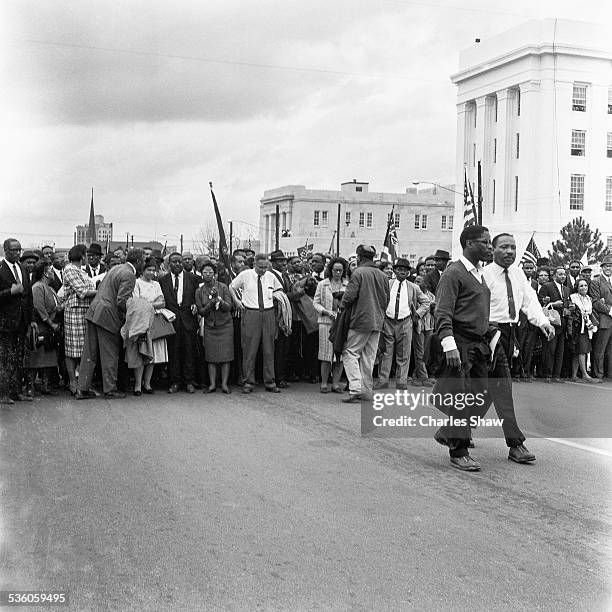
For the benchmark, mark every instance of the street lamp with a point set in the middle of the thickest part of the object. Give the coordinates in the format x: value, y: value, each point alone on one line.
x: 437, y: 185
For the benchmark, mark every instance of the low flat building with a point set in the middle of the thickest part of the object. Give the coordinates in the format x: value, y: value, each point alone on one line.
x: 424, y: 219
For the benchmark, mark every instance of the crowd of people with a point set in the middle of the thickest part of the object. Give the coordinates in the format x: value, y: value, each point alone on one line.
x: 136, y: 321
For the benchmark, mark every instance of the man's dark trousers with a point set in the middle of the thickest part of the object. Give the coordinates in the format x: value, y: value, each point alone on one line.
x: 553, y: 352
x: 181, y: 354
x: 107, y: 344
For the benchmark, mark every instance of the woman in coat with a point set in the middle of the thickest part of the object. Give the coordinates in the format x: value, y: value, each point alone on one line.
x: 78, y: 290
x: 326, y: 301
x: 582, y: 330
x: 214, y: 304
x: 47, y: 309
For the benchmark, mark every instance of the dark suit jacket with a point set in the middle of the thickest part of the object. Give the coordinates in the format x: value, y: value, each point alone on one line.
x: 108, y: 307
x: 551, y: 290
x: 601, y: 289
x: 433, y: 278
x: 90, y: 271
x: 55, y: 283
x: 182, y: 312
x: 15, y: 310
x: 570, y: 282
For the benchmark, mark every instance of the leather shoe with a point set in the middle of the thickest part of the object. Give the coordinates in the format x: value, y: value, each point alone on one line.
x: 466, y: 463
x: 81, y: 395
x: 226, y: 390
x: 520, y: 454
x: 148, y: 391
x: 400, y: 387
x: 548, y: 380
x: 6, y: 400
x: 380, y: 385
x: 20, y: 397
x: 440, y: 439
x: 173, y: 388
x: 247, y: 389
x: 354, y: 398
x: 137, y: 393
x: 283, y: 384
x: 190, y: 388
x: 274, y: 389
x: 558, y: 381
x: 114, y: 395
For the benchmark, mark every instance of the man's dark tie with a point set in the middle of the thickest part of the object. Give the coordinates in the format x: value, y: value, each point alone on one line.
x: 16, y: 273
x: 511, y: 306
x: 176, y: 286
x: 397, y: 300
x: 260, y: 300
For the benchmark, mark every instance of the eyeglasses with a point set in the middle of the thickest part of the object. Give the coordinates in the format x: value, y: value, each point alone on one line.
x: 487, y: 242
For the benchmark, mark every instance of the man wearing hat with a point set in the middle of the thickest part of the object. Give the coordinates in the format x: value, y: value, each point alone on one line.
x: 441, y: 258
x: 29, y: 259
x: 368, y: 294
x: 601, y: 294
x: 94, y: 267
x: 407, y: 304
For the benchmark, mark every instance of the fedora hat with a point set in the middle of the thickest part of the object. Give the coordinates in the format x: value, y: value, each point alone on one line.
x: 28, y: 255
x: 94, y: 249
x: 606, y: 260
x: 401, y: 262
x: 439, y: 254
x: 277, y: 255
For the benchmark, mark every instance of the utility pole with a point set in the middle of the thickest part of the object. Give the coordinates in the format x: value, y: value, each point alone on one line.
x: 277, y: 228
x: 181, y: 243
x: 479, y: 209
x: 338, y: 231
x: 231, y: 237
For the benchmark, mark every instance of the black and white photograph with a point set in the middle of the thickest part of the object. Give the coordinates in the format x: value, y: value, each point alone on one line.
x: 306, y: 306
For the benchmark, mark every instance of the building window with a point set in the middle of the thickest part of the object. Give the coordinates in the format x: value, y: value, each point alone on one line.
x: 518, y: 145
x: 577, y: 192
x: 347, y: 217
x: 495, y: 109
x: 578, y: 143
x: 609, y: 148
x: 450, y: 222
x: 495, y: 150
x: 609, y: 245
x: 518, y: 102
x: 397, y: 220
x: 359, y: 188
x: 323, y: 218
x: 317, y: 215
x: 361, y: 219
x: 579, y: 98
x: 443, y: 223
x: 369, y: 220
x: 516, y: 193
x: 493, y: 197
x: 474, y: 155
x: 609, y: 100
x: 608, y: 193
x: 412, y: 259
x: 417, y: 221
x: 424, y: 222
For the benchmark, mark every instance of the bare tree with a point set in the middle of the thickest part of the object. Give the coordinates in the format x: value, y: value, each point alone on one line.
x: 207, y: 239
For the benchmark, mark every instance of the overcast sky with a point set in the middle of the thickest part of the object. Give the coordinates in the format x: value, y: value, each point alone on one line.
x: 148, y: 101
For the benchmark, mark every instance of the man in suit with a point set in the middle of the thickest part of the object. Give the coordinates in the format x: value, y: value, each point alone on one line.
x: 28, y: 260
x: 281, y: 344
x: 58, y: 271
x: 179, y: 287
x: 368, y: 294
x: 601, y: 294
x: 441, y: 259
x: 407, y: 304
x: 105, y: 318
x: 574, y: 274
x: 15, y: 319
x: 556, y: 294
x: 94, y: 266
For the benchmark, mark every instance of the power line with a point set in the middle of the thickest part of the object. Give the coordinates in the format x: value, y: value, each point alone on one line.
x: 225, y: 62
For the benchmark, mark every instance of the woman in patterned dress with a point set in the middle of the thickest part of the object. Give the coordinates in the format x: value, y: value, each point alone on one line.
x: 148, y: 288
x: 78, y: 292
x: 326, y: 301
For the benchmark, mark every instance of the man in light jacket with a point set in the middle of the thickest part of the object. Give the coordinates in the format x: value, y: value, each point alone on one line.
x: 368, y: 294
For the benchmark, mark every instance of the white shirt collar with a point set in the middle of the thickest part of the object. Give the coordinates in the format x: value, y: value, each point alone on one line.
x: 470, y: 267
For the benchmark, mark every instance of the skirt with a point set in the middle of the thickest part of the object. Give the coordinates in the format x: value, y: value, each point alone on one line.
x: 326, y: 348
x: 583, y: 344
x: 74, y: 330
x: 219, y: 343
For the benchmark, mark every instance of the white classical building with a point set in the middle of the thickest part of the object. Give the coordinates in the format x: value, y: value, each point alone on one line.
x: 534, y: 105
x: 424, y: 219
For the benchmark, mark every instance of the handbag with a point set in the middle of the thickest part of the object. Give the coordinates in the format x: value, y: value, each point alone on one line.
x: 161, y: 327
x: 552, y: 315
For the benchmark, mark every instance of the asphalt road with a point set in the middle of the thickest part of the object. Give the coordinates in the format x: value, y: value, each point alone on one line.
x: 276, y: 502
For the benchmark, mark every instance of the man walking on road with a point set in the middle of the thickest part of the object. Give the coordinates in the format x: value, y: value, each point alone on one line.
x: 368, y: 294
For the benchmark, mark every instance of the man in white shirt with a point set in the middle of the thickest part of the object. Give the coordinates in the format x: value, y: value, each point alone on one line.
x: 256, y: 288
x: 407, y: 304
x: 511, y: 292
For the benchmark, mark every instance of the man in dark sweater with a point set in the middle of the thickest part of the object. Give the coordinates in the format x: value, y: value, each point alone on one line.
x: 462, y: 325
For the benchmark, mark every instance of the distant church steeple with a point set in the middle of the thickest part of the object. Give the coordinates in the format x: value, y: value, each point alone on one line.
x: 91, y: 229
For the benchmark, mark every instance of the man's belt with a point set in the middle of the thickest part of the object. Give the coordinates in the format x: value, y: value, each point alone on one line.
x: 258, y: 309
x: 397, y: 320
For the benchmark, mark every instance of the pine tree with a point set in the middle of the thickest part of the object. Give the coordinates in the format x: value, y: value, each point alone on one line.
x: 576, y: 238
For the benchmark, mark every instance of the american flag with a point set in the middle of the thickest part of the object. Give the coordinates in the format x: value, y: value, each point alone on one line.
x: 469, y: 208
x: 532, y: 253
x: 389, y: 250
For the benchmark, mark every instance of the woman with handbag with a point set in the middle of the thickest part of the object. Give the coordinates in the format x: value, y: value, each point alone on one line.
x: 214, y: 304
x: 148, y: 288
x: 582, y: 331
x: 42, y: 357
